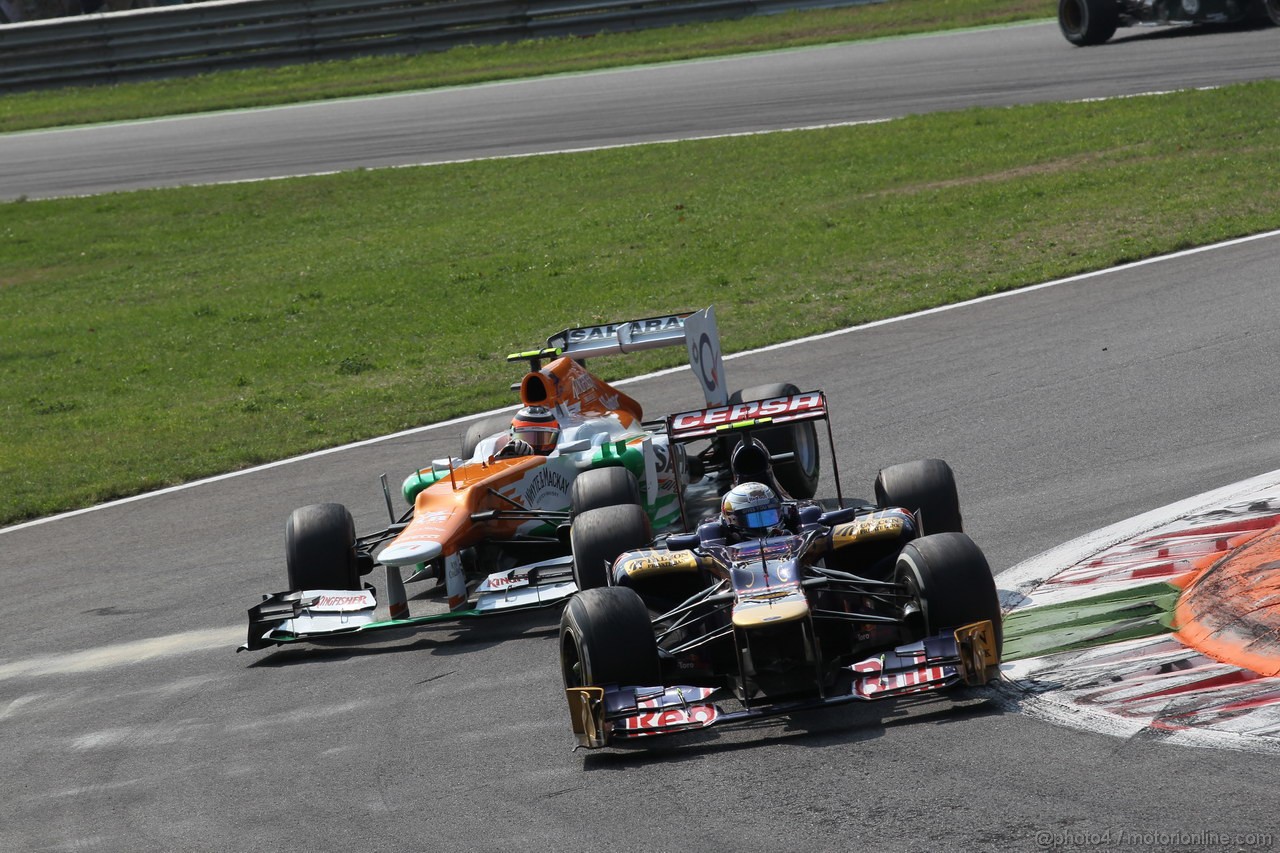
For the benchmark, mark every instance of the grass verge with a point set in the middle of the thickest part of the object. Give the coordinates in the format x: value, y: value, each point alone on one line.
x: 375, y: 75
x: 153, y: 337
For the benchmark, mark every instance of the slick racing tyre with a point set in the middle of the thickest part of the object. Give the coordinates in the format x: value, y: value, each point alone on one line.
x: 482, y: 429
x: 320, y: 548
x: 1089, y: 22
x: 598, y: 536
x: 606, y: 638
x: 797, y: 476
x: 950, y: 580
x: 926, y: 486
x: 612, y: 486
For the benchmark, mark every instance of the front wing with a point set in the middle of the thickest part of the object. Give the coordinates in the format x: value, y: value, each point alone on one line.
x: 296, y: 616
x: 601, y: 715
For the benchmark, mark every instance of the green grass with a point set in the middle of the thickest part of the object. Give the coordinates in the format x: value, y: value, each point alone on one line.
x: 153, y: 337
x: 266, y: 86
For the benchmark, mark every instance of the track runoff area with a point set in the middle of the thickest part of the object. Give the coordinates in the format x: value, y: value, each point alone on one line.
x: 1166, y: 624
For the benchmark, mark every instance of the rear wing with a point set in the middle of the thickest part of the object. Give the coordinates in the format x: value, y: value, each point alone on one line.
x: 695, y: 330
x: 728, y: 421
x: 705, y: 423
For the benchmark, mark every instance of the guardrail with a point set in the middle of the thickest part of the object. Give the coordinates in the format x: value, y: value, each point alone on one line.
x: 175, y: 40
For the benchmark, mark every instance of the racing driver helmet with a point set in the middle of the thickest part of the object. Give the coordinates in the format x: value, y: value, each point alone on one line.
x: 537, y: 426
x: 752, y: 509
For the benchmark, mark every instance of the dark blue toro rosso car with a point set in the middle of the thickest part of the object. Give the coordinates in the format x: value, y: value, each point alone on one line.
x: 1089, y: 22
x: 776, y: 605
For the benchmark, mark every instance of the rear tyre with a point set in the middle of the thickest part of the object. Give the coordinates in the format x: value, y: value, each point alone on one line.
x: 320, y: 548
x: 602, y: 487
x: 598, y: 536
x: 482, y: 429
x: 606, y: 638
x: 1089, y: 22
x: 797, y: 476
x: 948, y: 576
x: 926, y: 486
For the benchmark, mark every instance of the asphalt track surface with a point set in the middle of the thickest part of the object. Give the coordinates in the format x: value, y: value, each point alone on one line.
x: 130, y: 725
x: 797, y: 88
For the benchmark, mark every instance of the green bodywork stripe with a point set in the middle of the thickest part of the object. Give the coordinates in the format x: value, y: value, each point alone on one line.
x: 1129, y: 614
x: 417, y: 481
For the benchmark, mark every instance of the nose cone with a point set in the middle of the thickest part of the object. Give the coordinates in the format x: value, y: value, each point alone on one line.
x: 409, y: 553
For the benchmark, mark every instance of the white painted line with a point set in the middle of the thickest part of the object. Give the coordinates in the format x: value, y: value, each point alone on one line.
x: 797, y: 342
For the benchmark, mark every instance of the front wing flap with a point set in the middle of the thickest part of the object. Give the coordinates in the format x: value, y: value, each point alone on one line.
x: 966, y: 655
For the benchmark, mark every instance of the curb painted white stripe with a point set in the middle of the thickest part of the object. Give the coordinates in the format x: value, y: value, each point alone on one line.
x: 631, y: 381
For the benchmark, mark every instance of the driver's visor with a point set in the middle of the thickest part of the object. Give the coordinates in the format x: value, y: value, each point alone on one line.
x: 760, y: 519
x: 540, y: 439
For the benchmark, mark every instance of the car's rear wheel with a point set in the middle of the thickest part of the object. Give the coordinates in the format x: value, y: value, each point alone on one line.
x: 606, y: 638
x: 319, y: 545
x: 925, y: 486
x: 600, y: 487
x: 1089, y: 22
x: 948, y: 576
x: 598, y: 536
x: 1273, y: 10
x: 798, y: 475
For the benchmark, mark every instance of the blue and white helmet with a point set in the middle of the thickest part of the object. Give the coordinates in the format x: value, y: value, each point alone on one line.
x: 751, y: 508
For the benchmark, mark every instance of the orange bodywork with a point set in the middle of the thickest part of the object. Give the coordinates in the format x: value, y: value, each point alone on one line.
x: 442, y: 511
x: 567, y: 385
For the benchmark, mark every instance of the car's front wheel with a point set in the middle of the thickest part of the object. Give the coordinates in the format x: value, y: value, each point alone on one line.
x: 950, y: 581
x: 606, y: 638
x: 926, y: 487
x: 319, y: 547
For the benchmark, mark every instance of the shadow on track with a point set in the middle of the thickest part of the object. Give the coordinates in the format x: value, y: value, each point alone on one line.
x: 848, y: 724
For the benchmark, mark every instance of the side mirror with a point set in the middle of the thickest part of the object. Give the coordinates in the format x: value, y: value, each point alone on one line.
x: 838, y: 516
x: 683, y: 541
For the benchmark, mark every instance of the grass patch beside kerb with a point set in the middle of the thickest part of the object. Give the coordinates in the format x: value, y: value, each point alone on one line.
x: 153, y: 337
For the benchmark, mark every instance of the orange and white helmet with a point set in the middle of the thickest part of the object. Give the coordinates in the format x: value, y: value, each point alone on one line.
x: 751, y: 508
x: 537, y: 426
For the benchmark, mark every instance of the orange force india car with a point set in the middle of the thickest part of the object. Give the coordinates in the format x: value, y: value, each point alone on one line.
x: 492, y: 530
x: 778, y: 605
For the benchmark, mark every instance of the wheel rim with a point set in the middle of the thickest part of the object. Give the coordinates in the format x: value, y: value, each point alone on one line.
x: 571, y: 663
x: 1073, y: 16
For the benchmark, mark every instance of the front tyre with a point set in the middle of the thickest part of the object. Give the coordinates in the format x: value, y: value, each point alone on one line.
x: 606, y: 638
x: 925, y: 486
x: 320, y: 548
x: 1089, y: 22
x: 948, y: 577
x: 599, y: 536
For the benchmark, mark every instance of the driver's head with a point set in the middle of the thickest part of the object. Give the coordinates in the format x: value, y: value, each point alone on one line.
x: 751, y: 509
x: 537, y: 427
